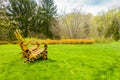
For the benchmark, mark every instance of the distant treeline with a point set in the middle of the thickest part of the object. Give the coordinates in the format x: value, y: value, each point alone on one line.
x: 40, y: 20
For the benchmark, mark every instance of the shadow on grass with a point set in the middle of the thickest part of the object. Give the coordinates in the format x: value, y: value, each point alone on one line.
x: 42, y: 61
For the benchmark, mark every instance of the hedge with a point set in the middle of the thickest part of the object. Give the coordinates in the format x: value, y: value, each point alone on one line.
x: 62, y: 41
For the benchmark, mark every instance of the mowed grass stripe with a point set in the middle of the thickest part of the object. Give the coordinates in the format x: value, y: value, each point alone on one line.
x: 66, y: 62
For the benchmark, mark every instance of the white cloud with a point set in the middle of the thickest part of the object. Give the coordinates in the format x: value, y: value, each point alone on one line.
x: 69, y: 5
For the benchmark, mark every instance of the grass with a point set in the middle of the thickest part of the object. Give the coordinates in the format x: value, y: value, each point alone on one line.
x: 66, y: 62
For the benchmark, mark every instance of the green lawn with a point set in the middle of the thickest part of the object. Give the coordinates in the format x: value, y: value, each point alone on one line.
x: 66, y: 62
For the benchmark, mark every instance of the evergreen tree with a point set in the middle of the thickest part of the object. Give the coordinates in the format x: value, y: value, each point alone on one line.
x: 116, y: 33
x: 6, y: 27
x: 113, y: 30
x: 86, y: 30
x: 49, y: 11
x: 22, y: 11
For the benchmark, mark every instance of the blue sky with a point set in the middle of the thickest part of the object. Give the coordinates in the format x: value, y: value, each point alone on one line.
x: 86, y: 6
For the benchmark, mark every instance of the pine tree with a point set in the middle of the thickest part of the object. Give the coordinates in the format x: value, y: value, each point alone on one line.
x: 49, y: 11
x: 116, y: 33
x: 22, y: 11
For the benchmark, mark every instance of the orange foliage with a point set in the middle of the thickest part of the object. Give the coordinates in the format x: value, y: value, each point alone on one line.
x: 68, y: 41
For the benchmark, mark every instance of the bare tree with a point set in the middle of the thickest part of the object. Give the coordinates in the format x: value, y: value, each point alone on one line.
x: 73, y: 25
